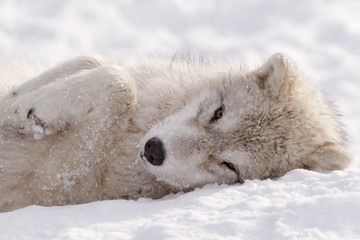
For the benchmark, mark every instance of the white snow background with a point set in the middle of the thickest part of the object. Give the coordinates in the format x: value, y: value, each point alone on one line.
x: 322, y: 36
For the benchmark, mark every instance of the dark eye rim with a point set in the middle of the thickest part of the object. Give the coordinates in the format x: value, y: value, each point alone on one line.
x: 219, y: 113
x: 230, y: 166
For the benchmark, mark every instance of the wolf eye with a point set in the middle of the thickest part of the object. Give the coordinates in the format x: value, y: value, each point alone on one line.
x: 229, y: 166
x: 218, y: 114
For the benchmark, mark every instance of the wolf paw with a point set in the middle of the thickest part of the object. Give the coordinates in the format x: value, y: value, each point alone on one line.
x: 31, y: 119
x: 38, y: 126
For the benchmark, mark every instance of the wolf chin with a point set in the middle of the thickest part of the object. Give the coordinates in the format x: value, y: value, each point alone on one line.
x: 92, y: 129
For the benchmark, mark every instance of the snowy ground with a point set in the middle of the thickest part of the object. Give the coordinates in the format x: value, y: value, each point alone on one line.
x: 323, y: 36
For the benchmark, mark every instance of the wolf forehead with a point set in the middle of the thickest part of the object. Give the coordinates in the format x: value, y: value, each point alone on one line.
x: 242, y: 98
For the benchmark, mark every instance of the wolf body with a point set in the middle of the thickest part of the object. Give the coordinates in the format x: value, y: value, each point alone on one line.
x: 92, y: 129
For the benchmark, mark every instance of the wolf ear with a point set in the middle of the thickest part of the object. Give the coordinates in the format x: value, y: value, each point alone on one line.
x: 276, y: 75
x: 331, y: 156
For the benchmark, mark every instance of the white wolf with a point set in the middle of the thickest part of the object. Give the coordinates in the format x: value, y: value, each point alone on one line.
x: 92, y: 129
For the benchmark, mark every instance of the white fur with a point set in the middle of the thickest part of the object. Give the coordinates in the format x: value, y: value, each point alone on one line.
x: 72, y: 134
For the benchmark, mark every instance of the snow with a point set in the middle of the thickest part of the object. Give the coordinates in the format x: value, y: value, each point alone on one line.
x: 322, y: 36
x: 302, y: 204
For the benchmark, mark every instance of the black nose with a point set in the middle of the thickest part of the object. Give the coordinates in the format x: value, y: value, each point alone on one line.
x: 154, y: 151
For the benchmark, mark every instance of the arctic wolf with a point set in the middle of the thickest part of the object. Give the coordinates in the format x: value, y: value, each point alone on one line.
x: 92, y: 129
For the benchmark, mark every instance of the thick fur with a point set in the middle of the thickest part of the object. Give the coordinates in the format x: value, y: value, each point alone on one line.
x: 76, y: 133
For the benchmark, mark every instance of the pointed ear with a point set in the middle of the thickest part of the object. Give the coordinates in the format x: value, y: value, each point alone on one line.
x: 276, y: 75
x: 329, y: 157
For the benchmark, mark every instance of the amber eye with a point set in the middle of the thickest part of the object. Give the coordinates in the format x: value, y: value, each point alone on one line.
x: 218, y: 114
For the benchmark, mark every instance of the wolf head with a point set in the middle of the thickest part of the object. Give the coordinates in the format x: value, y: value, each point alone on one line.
x: 246, y: 125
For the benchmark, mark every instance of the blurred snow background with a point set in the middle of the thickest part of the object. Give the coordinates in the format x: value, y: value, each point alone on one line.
x: 322, y: 36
